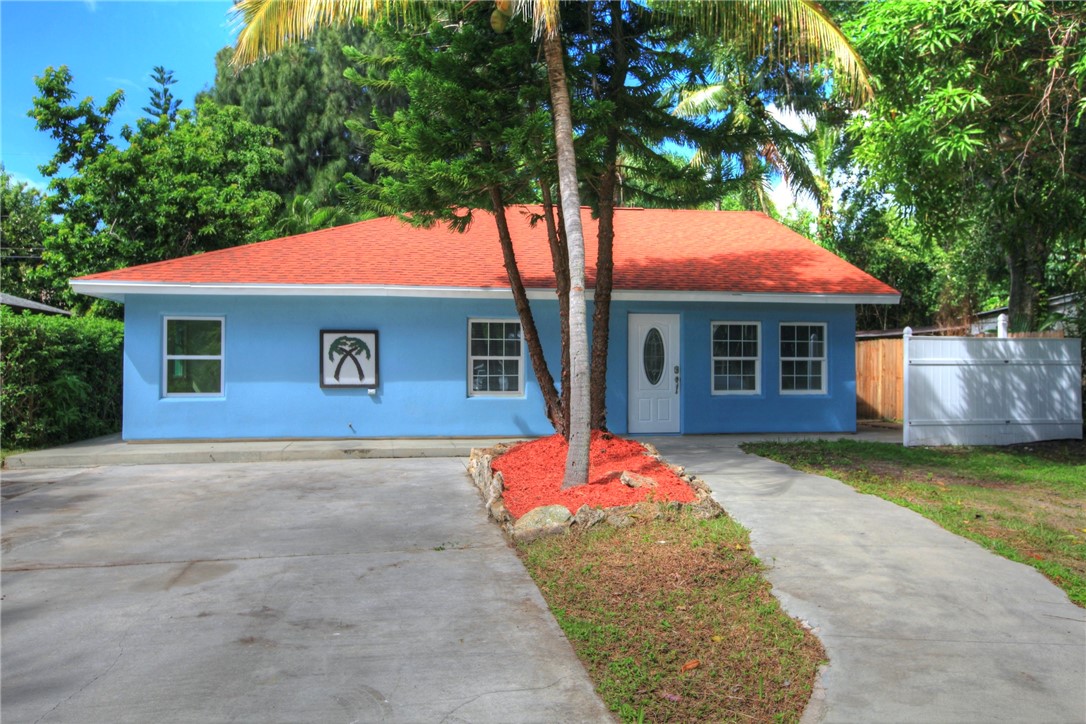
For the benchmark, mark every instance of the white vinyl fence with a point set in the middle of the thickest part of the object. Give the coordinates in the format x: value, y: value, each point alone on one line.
x: 991, y: 391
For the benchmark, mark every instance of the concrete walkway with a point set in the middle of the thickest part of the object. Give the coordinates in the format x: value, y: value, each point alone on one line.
x: 919, y: 625
x: 111, y: 450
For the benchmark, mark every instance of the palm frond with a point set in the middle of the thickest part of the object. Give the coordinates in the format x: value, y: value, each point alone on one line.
x: 800, y: 30
x: 700, y: 101
x: 543, y: 14
x: 268, y: 26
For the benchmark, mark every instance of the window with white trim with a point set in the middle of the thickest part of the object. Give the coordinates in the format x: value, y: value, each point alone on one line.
x: 803, y: 358
x: 495, y: 358
x: 193, y: 356
x: 737, y: 354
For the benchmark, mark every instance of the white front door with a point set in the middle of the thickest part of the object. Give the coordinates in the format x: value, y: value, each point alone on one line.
x: 653, y: 373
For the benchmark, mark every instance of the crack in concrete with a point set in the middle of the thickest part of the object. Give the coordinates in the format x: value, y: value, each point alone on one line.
x: 80, y: 690
x: 501, y: 691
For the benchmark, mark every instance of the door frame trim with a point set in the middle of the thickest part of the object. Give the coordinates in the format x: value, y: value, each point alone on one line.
x: 633, y: 369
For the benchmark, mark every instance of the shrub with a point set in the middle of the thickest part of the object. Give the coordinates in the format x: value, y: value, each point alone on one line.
x: 61, y: 378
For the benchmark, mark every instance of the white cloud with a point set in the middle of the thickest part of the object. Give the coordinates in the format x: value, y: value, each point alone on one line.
x: 782, y: 194
x: 784, y: 197
x: 124, y: 82
x: 18, y: 178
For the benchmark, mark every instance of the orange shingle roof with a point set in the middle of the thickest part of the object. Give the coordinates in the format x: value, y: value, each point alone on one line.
x: 655, y: 249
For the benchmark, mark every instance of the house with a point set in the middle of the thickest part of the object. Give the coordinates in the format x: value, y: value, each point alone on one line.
x: 720, y: 322
x: 1059, y: 308
x: 29, y: 305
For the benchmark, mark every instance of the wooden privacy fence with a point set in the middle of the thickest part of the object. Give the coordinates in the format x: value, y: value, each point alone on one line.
x: 879, y: 382
x: 880, y: 378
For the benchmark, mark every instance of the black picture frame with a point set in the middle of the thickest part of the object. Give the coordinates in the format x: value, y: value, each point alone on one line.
x: 349, y: 359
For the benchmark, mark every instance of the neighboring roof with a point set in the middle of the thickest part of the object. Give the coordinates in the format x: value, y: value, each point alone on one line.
x: 1059, y: 303
x: 10, y: 300
x: 929, y: 331
x: 657, y: 252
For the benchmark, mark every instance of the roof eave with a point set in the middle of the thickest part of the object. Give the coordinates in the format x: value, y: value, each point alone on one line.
x: 117, y: 291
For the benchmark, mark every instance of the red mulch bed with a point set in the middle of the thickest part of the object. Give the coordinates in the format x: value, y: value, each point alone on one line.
x: 533, y: 471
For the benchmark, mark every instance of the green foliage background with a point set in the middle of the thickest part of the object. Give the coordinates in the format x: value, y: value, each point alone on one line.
x: 61, y: 378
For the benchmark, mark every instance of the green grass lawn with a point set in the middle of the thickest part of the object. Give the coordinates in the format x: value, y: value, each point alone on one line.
x: 1025, y: 502
x: 674, y: 621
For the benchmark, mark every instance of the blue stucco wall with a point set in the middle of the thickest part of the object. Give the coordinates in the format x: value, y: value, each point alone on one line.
x: 768, y: 411
x: 272, y: 365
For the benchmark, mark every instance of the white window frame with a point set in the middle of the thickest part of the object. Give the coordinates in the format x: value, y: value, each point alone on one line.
x: 713, y: 359
x: 167, y: 358
x: 822, y: 359
x: 472, y: 358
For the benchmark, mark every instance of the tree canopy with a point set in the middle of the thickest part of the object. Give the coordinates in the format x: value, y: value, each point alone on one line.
x: 976, y: 130
x: 302, y: 94
x: 24, y: 226
x: 194, y: 184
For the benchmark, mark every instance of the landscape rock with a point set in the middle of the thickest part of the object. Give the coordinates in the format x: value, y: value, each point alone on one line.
x: 587, y: 517
x: 698, y: 485
x: 636, y: 480
x: 499, y: 512
x: 542, y: 521
x: 556, y: 520
x: 494, y: 491
x: 705, y: 507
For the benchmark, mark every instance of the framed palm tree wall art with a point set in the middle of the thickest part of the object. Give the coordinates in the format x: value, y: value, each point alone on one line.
x: 348, y: 358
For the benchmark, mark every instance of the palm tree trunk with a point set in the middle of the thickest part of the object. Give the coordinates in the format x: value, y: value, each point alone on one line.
x: 579, y: 398
x: 605, y: 239
x: 556, y: 236
x: 601, y: 310
x: 339, y: 367
x: 551, y: 403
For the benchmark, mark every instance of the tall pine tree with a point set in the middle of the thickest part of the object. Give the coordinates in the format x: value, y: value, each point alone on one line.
x: 302, y: 94
x: 163, y: 102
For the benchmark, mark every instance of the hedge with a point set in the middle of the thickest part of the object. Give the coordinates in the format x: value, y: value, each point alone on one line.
x: 61, y: 378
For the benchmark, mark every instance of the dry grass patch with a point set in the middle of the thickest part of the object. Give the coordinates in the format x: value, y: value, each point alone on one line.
x: 674, y: 622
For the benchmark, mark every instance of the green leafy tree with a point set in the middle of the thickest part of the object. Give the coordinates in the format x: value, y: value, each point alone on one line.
x: 24, y: 225
x: 977, y: 127
x: 81, y: 131
x: 471, y: 136
x: 875, y: 234
x: 268, y: 25
x: 303, y: 216
x: 752, y: 144
x: 622, y: 58
x: 178, y: 188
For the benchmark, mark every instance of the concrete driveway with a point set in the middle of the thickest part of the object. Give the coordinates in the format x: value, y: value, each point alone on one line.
x: 365, y: 590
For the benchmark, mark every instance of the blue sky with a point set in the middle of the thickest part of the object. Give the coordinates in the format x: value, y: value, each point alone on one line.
x: 107, y: 45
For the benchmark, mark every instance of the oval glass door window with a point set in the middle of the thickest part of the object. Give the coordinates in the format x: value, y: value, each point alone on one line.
x: 653, y: 354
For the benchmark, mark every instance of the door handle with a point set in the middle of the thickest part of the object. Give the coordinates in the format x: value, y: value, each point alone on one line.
x: 676, y: 379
